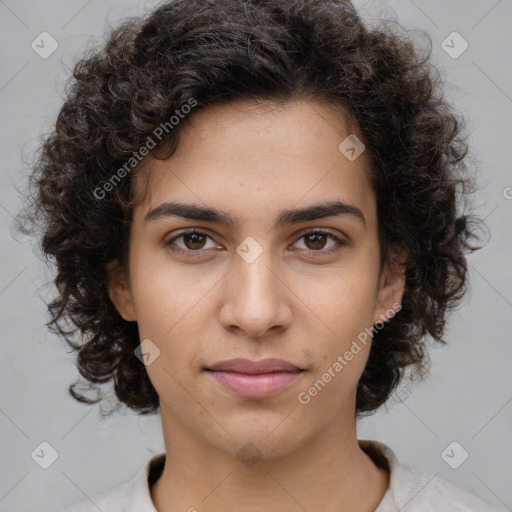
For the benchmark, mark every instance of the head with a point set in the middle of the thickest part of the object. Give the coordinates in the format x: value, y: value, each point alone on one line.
x: 245, y: 111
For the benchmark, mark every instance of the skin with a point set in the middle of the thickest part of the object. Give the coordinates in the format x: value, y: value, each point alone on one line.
x: 296, y: 302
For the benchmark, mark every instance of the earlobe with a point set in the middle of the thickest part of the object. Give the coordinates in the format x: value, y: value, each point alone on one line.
x: 120, y: 293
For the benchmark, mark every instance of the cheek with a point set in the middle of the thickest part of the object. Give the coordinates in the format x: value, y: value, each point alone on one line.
x: 166, y: 296
x: 165, y: 316
x: 172, y: 307
x: 343, y: 302
x: 342, y: 344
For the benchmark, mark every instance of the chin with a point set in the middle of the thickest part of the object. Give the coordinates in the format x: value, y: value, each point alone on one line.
x: 266, y: 440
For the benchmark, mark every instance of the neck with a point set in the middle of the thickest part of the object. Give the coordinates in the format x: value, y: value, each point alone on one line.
x: 329, y: 471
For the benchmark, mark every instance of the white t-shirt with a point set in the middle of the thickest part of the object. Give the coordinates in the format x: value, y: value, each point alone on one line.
x: 410, y: 490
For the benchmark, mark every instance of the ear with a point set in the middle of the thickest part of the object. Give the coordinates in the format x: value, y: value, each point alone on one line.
x: 119, y: 291
x: 391, y: 287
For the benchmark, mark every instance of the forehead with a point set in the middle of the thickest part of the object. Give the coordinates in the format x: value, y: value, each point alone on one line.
x: 250, y: 156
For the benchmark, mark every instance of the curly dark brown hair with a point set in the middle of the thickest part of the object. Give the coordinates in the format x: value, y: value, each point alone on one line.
x: 214, y: 51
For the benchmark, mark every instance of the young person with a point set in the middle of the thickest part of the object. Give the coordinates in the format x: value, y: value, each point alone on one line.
x: 255, y: 211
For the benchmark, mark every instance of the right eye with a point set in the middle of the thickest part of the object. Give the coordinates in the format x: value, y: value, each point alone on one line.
x: 192, y: 242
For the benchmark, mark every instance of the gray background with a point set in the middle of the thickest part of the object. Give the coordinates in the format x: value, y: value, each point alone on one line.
x: 467, y: 397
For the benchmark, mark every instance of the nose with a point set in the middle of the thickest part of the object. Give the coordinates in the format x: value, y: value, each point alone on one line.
x: 256, y: 300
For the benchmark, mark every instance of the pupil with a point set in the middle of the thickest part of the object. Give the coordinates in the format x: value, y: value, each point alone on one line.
x: 316, y: 237
x: 191, y: 237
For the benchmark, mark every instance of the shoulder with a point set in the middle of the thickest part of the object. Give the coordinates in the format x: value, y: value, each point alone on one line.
x: 414, y: 490
x: 113, y: 500
x: 132, y: 495
x: 420, y: 491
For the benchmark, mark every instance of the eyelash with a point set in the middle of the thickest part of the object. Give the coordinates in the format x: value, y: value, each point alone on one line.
x: 339, y: 242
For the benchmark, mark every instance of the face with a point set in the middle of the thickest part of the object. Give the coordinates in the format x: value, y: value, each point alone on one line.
x: 266, y: 275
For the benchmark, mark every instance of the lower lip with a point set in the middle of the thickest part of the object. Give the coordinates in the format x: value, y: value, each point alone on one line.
x: 261, y: 385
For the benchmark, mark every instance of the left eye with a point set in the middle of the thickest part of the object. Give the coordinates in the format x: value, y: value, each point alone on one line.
x: 315, y: 241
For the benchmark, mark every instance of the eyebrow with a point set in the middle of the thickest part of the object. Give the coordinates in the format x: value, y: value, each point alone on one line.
x: 285, y: 217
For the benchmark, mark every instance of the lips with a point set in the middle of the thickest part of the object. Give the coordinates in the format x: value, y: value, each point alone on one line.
x: 254, y: 367
x: 254, y: 379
